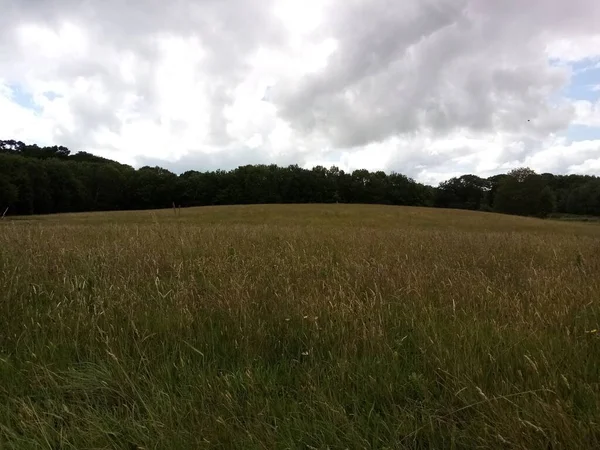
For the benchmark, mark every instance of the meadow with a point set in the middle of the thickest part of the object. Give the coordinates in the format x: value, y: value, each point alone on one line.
x: 299, y: 327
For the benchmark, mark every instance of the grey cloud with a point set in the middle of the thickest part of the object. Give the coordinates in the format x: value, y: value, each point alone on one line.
x: 550, y: 17
x: 436, y: 64
x: 91, y: 114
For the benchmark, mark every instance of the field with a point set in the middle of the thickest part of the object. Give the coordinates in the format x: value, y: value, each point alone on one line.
x: 298, y: 327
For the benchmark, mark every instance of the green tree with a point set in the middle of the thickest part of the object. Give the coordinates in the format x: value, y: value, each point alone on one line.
x: 585, y: 199
x: 466, y: 192
x: 51, y: 179
x: 8, y: 194
x: 547, y: 203
x: 523, y: 192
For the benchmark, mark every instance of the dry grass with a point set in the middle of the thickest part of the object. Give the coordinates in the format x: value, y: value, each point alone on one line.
x: 312, y: 326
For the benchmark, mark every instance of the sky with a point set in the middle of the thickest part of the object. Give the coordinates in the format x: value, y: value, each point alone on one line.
x: 428, y: 88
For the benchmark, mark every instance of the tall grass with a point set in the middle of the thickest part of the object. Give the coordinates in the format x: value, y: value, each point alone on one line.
x: 299, y: 327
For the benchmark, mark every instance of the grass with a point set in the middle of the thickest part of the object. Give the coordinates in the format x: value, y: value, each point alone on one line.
x: 575, y: 217
x: 296, y: 327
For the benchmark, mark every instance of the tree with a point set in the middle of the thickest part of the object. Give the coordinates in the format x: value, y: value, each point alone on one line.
x: 466, y: 192
x: 523, y: 192
x: 8, y: 194
x: 521, y: 174
x: 547, y: 204
x: 585, y: 199
x: 11, y: 146
x: 39, y: 180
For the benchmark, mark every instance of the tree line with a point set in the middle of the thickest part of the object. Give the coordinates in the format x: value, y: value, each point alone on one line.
x: 42, y: 180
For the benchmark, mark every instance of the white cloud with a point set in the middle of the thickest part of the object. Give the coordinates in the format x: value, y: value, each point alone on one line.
x: 428, y: 88
x: 574, y: 49
x: 587, y: 113
x: 20, y: 122
x: 559, y: 157
x: 67, y: 41
x: 587, y: 167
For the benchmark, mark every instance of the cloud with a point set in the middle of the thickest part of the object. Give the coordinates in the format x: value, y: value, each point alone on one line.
x: 429, y: 88
x: 434, y: 65
x: 587, y: 113
x: 558, y: 157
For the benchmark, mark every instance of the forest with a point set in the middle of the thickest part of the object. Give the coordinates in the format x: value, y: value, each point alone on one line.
x: 43, y: 180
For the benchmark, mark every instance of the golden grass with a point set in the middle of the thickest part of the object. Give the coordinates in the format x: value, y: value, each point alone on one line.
x: 299, y: 326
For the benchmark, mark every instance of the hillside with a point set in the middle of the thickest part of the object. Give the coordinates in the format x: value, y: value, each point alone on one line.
x: 299, y: 326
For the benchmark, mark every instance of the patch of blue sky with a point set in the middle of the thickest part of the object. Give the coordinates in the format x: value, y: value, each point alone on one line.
x: 577, y: 133
x: 585, y: 81
x: 50, y: 95
x: 584, y: 85
x: 24, y: 98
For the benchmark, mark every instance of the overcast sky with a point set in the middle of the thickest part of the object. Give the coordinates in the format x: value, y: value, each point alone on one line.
x: 428, y: 88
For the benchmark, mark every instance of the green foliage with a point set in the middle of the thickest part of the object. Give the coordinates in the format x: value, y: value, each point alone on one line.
x: 8, y: 194
x: 521, y: 174
x: 52, y: 179
x: 585, y: 199
x: 465, y: 192
x: 547, y: 203
x: 526, y: 193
